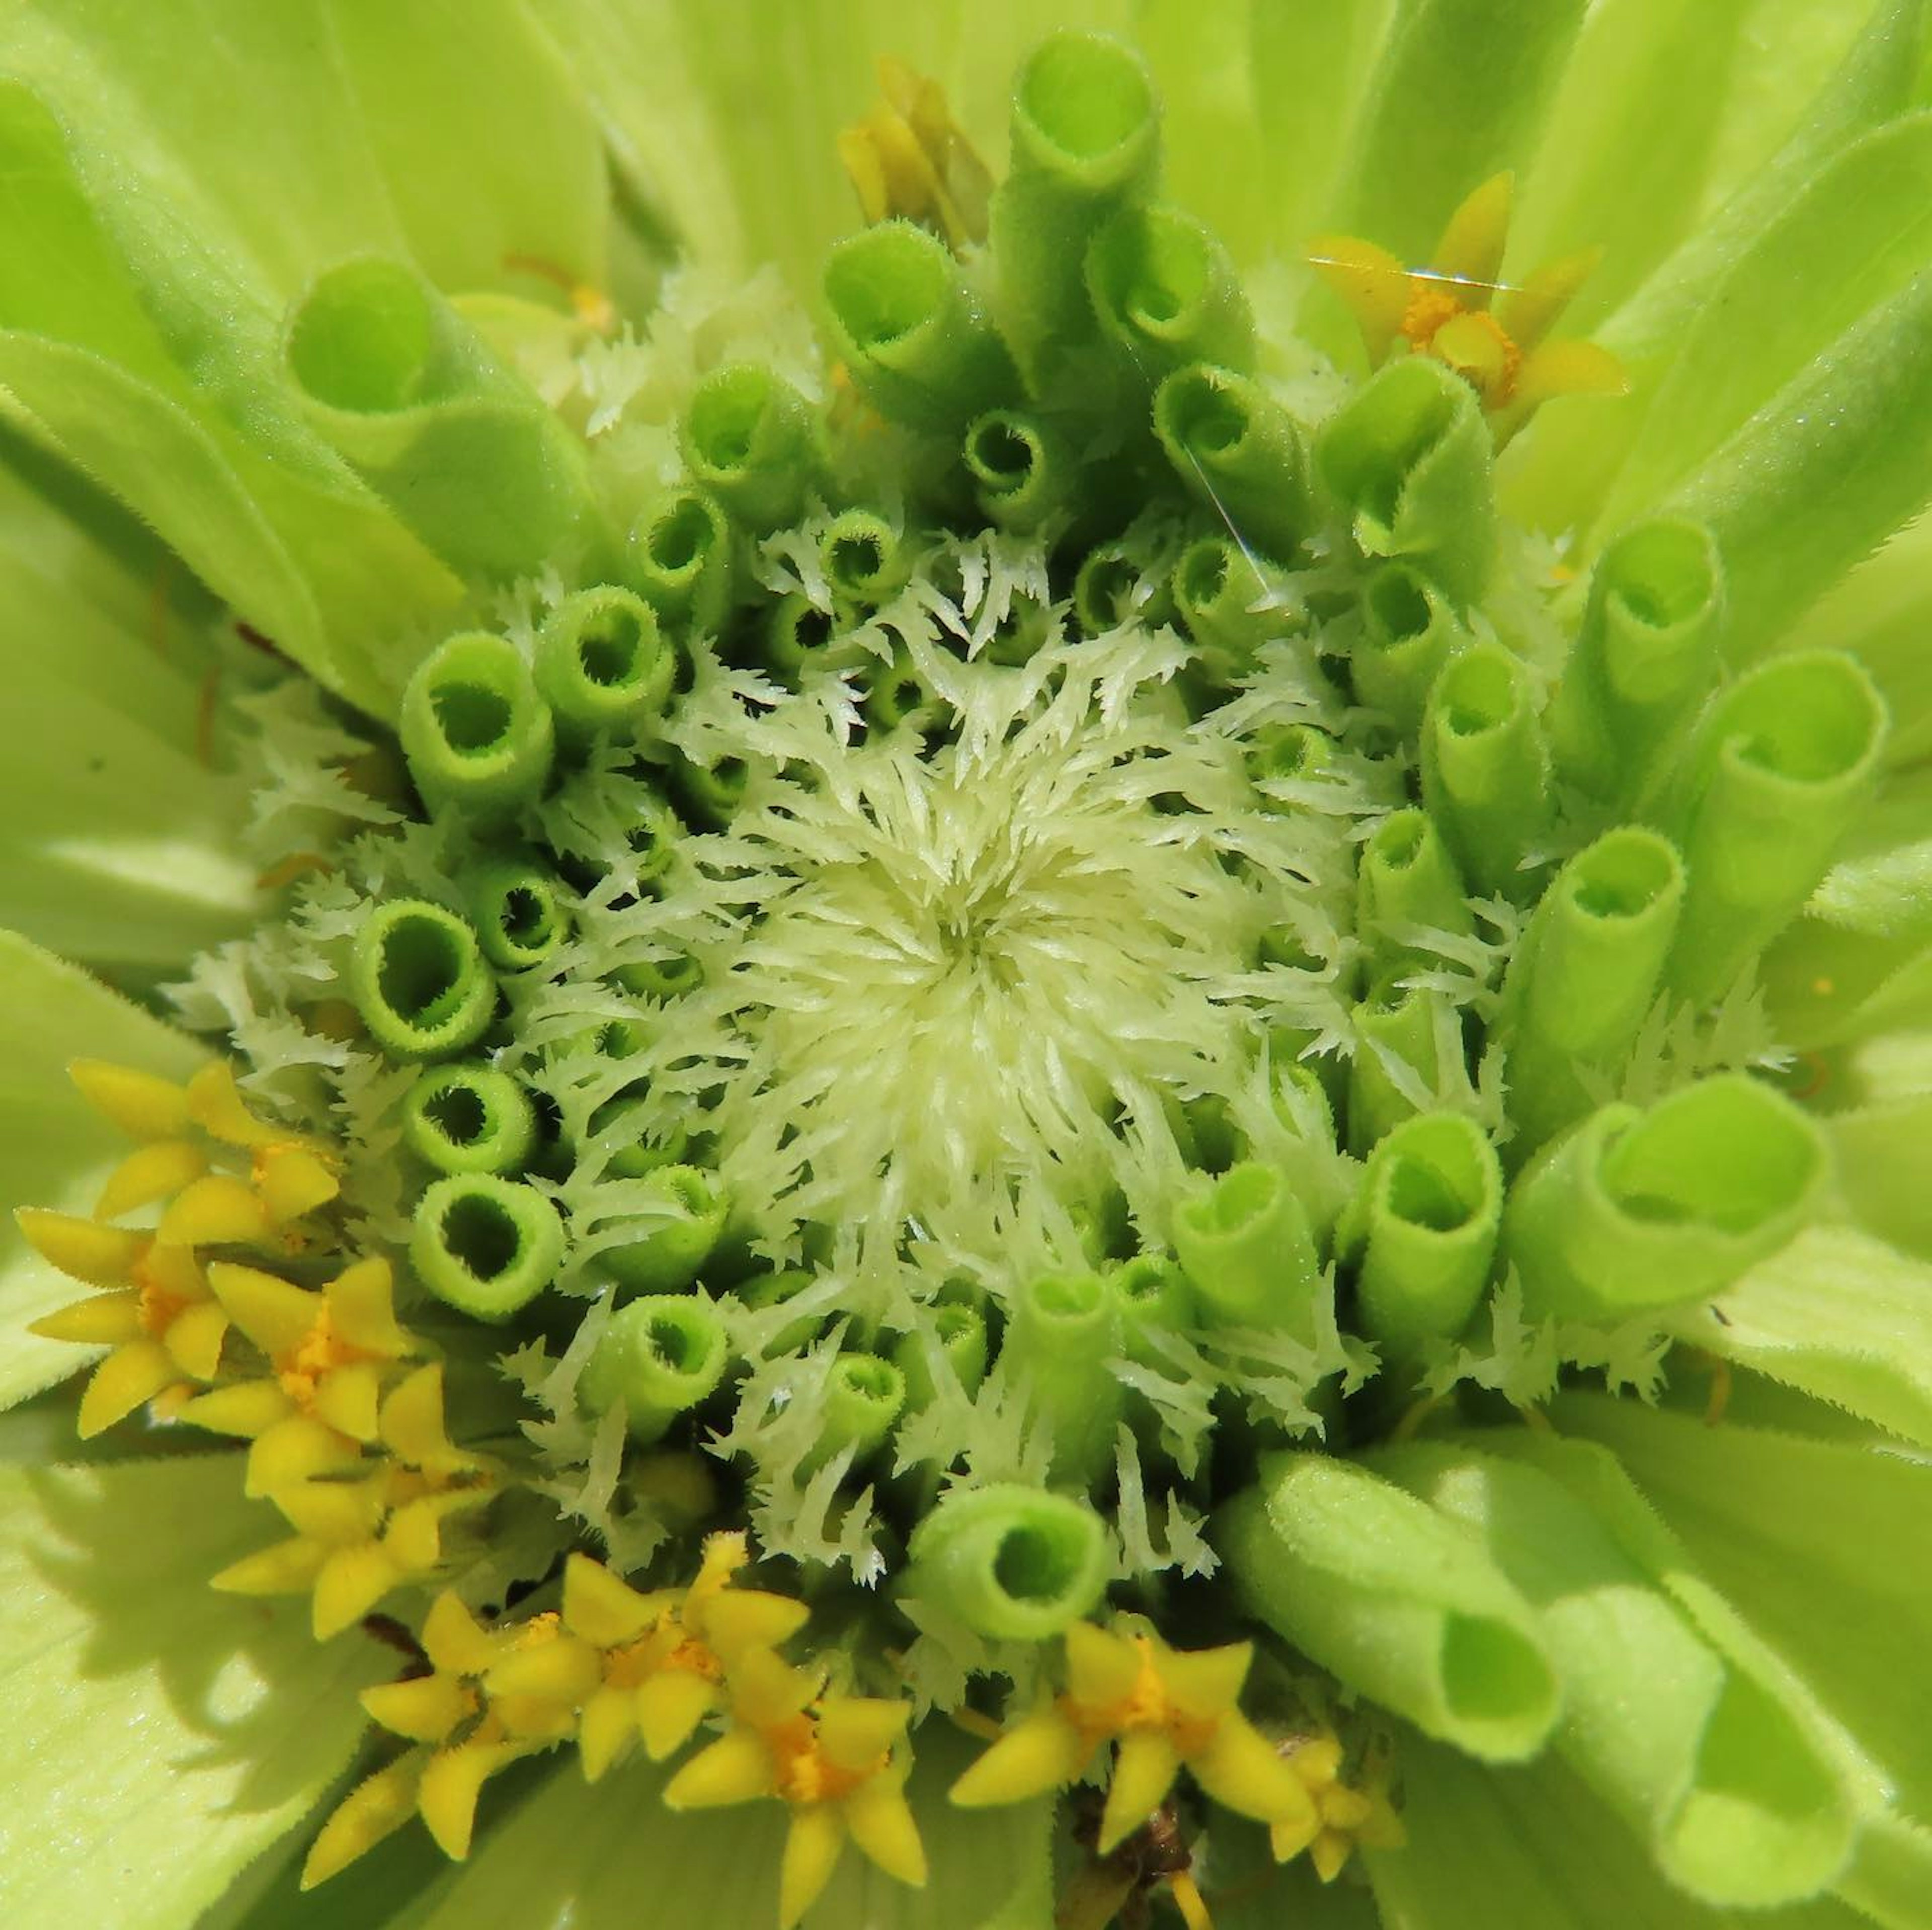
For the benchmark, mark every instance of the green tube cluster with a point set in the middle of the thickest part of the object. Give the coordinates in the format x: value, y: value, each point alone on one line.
x: 1635, y: 1210
x: 602, y: 665
x: 1408, y: 457
x: 478, y: 737
x: 660, y: 1357
x: 1246, y: 1246
x: 1153, y: 1297
x: 1238, y: 452
x: 680, y: 559
x: 1485, y: 772
x: 1779, y: 771
x: 417, y: 977
x: 469, y: 1118
x: 1064, y: 1334
x: 1406, y: 879
x: 1022, y: 469
x: 1165, y: 293
x: 1426, y: 1226
x: 1645, y: 652
x: 1402, y: 1020
x: 486, y: 1246
x: 913, y: 336
x: 1013, y: 1563
x: 1585, y: 975
x: 670, y: 1245
x: 518, y: 911
x: 1409, y: 632
x: 748, y: 438
x: 864, y: 557
x: 463, y: 449
x: 863, y: 1398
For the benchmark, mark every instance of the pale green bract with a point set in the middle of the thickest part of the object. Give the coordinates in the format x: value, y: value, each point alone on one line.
x: 1000, y: 915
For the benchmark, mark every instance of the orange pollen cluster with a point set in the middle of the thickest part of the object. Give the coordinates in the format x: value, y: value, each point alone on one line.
x: 1431, y: 303
x: 300, y: 1372
x: 158, y: 1306
x: 1147, y: 1706
x: 803, y: 1773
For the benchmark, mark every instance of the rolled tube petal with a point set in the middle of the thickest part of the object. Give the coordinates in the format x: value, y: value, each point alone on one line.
x: 864, y: 1396
x: 747, y: 437
x: 469, y: 1118
x: 417, y: 976
x: 659, y: 1357
x: 1014, y: 1564
x: 1166, y: 294
x: 1245, y: 1245
x: 1065, y: 1331
x: 478, y: 737
x: 1409, y: 631
x: 1635, y: 1210
x: 1238, y: 453
x: 680, y: 559
x: 485, y: 1244
x: 519, y: 914
x: 1022, y: 469
x: 670, y: 1247
x: 602, y: 665
x: 1405, y: 879
x: 1154, y: 1298
x: 960, y: 1333
x: 864, y: 558
x: 1398, y: 1029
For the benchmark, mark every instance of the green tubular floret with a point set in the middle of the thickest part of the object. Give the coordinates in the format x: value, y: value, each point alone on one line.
x: 680, y: 559
x: 865, y: 557
x: 1013, y: 1563
x: 958, y: 1335
x: 1398, y: 1028
x: 1154, y: 1298
x: 1245, y: 1245
x: 486, y: 1246
x: 1110, y: 589
x: 464, y: 451
x: 1426, y: 1223
x: 1485, y: 771
x: 670, y: 1243
x: 631, y: 1138
x: 478, y: 737
x: 1022, y: 470
x: 1238, y: 453
x: 1408, y: 633
x: 1779, y: 771
x: 711, y: 793
x: 748, y: 438
x: 1586, y: 975
x: 469, y: 1118
x: 518, y: 912
x: 1062, y: 1333
x: 1406, y: 880
x: 896, y: 693
x: 670, y: 978
x: 1284, y: 755
x: 602, y: 665
x: 1215, y: 587
x: 862, y: 1399
x: 1644, y: 655
x: 1635, y: 1210
x: 1409, y: 457
x: 914, y: 338
x: 1086, y: 140
x: 660, y: 1357
x: 417, y: 977
x: 798, y: 636
x: 1166, y: 293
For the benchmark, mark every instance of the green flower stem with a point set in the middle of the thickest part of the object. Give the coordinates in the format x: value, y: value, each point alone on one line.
x: 1154, y: 1298
x: 1409, y: 631
x: 417, y: 977
x: 1409, y: 456
x: 864, y: 1397
x: 1586, y: 976
x: 659, y: 1358
x: 671, y: 1244
x: 1065, y: 1333
x: 748, y: 438
x: 1373, y: 1585
x: 1086, y: 140
x: 1645, y: 653
x: 1402, y: 1021
x: 469, y: 1118
x: 1023, y: 471
x: 913, y: 335
x: 680, y: 559
x: 960, y: 1333
x: 1427, y: 1221
x: 601, y: 664
x: 519, y: 915
x: 1406, y: 878
x: 463, y: 449
x: 1238, y: 453
x: 1013, y: 1563
x: 865, y: 558
x: 1634, y: 1210
x: 487, y: 1245
x: 1166, y: 294
x: 1780, y: 772
x: 1485, y: 772
x: 1245, y: 1245
x: 478, y: 737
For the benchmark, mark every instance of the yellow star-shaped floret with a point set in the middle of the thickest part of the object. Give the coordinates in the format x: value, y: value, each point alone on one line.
x: 1167, y: 1709
x: 321, y: 1402
x: 1454, y: 308
x: 836, y: 1762
x: 1344, y: 1814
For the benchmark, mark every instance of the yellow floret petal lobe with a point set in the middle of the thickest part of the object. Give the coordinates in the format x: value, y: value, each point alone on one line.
x: 215, y: 1104
x: 217, y: 1210
x: 1205, y: 1683
x: 604, y: 1729
x: 426, y: 1710
x: 277, y: 1316
x: 557, y: 1674
x: 292, y: 1181
x: 128, y: 1377
x: 1370, y: 281
x: 1041, y: 1752
x: 452, y: 1783
x: 668, y: 1708
x: 376, y: 1808
x: 153, y: 1172
x: 294, y: 1450
x: 454, y: 1640
x: 1244, y: 1771
x: 741, y: 1619
x: 1569, y: 368
x: 1529, y: 310
x: 348, y: 1398
x: 248, y: 1409
x: 601, y: 1607
x: 736, y: 1768
x: 352, y: 1581
x: 83, y: 1250
x: 143, y: 1106
x: 101, y: 1320
x: 855, y: 1731
x: 284, y: 1567
x: 882, y: 1824
x: 813, y: 1845
x: 362, y: 1306
x: 1471, y: 248
x: 1102, y: 1668
x: 195, y: 1336
x: 1144, y: 1772
x: 412, y: 1425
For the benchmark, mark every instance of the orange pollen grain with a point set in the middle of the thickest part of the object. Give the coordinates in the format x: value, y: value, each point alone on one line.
x: 319, y: 1352
x: 804, y: 1774
x: 1430, y: 305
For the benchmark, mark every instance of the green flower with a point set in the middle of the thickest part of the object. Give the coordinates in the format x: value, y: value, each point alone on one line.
x: 1053, y: 1057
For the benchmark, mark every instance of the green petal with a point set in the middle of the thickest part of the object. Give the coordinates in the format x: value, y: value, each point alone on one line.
x: 1881, y: 1161
x: 163, y: 1734
x: 1838, y: 1315
x: 1821, y: 1544
x: 55, y: 1150
x: 1893, y: 1874
x: 580, y: 1857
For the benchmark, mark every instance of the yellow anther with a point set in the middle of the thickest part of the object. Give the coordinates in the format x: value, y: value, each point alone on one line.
x: 908, y: 160
x: 142, y: 1105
